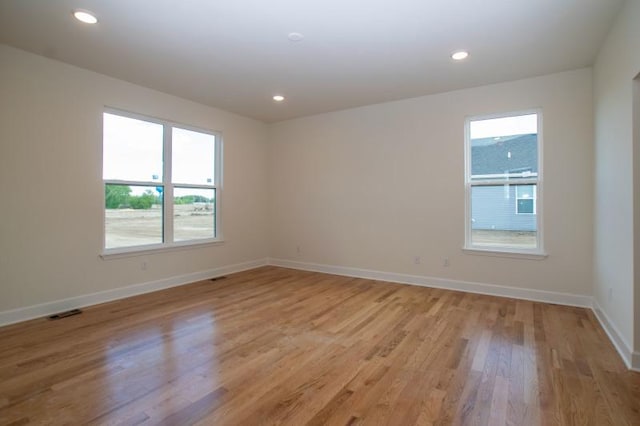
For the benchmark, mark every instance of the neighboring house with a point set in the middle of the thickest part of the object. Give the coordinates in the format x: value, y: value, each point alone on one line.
x: 504, y: 207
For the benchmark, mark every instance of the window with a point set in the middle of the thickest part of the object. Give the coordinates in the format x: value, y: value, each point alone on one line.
x: 504, y: 183
x: 525, y: 199
x: 161, y: 183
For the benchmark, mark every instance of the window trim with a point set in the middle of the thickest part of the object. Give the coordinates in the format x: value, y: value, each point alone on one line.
x: 167, y: 209
x: 505, y: 251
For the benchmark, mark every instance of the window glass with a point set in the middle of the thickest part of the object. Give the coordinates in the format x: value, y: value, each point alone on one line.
x: 493, y: 222
x: 504, y: 148
x: 133, y: 216
x: 193, y: 157
x: 194, y: 213
x: 503, y: 183
x: 131, y: 149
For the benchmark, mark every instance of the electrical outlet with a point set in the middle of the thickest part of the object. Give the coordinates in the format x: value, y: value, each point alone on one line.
x: 417, y: 260
x: 298, y: 251
x: 143, y: 266
x: 445, y: 262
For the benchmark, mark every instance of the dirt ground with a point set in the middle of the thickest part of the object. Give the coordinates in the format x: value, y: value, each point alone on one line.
x: 129, y: 227
x: 519, y: 239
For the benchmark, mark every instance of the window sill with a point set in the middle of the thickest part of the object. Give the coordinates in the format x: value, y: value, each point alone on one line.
x: 146, y: 250
x: 514, y: 253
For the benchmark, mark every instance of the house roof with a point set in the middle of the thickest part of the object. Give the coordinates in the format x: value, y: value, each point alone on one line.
x: 511, y: 154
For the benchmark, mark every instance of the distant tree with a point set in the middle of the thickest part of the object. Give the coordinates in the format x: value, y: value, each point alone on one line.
x: 200, y: 199
x: 144, y: 201
x: 184, y: 199
x: 116, y: 196
x: 190, y: 199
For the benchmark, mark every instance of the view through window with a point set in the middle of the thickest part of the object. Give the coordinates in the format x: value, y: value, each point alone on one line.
x: 503, y: 182
x: 154, y: 170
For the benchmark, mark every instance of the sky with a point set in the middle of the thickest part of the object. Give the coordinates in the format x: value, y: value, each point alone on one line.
x: 506, y: 126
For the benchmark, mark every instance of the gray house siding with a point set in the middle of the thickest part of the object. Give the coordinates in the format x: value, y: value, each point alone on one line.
x: 494, y: 207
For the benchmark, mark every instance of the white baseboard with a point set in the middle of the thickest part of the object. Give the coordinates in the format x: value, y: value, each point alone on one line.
x: 45, y: 309
x: 443, y: 283
x: 630, y: 358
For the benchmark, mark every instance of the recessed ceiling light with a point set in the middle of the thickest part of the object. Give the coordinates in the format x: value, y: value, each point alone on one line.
x: 278, y: 98
x: 85, y: 16
x: 295, y: 36
x: 459, y: 55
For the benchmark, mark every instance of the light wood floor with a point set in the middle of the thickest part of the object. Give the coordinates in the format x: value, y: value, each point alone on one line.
x: 274, y: 345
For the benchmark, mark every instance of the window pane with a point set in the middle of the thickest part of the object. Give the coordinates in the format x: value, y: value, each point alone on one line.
x: 132, y: 149
x: 194, y: 213
x: 495, y: 221
x: 504, y: 148
x: 526, y: 195
x: 526, y: 191
x: 525, y: 206
x: 133, y: 215
x: 193, y: 157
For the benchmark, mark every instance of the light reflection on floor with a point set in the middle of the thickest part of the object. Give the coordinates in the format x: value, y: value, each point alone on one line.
x: 144, y: 362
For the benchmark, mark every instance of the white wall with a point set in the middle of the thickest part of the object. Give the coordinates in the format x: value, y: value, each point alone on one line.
x: 636, y: 219
x: 50, y: 183
x: 373, y: 187
x: 617, y: 64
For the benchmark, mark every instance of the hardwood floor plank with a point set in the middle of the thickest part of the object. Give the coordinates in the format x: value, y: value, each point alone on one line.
x: 198, y: 410
x: 279, y: 346
x: 499, y: 402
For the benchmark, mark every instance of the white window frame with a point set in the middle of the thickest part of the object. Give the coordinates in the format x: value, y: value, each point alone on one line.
x: 493, y: 180
x: 168, y: 189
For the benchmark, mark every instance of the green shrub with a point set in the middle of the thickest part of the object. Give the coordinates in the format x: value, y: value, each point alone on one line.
x: 144, y: 201
x: 116, y: 196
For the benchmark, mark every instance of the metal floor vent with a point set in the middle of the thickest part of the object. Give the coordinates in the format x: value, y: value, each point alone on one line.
x: 218, y: 278
x: 65, y: 314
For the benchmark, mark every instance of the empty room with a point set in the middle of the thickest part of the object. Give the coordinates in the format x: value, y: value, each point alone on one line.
x: 320, y: 213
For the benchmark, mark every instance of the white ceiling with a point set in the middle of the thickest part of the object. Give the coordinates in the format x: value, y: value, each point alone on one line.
x: 235, y: 54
